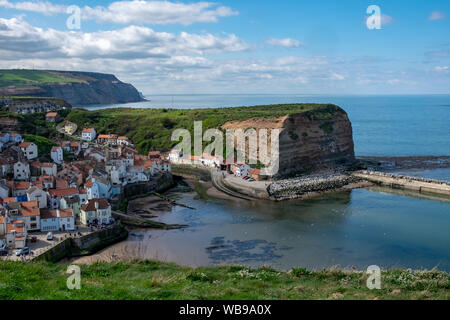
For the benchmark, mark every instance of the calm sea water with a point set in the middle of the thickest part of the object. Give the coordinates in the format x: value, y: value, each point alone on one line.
x: 358, y: 228
x: 383, y: 125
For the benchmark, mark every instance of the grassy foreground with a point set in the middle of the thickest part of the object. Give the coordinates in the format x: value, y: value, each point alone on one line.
x: 156, y: 280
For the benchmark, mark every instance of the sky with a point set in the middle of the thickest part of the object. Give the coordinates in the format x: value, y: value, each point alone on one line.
x: 237, y: 46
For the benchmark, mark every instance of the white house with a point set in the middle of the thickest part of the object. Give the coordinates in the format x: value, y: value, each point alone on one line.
x: 49, y: 169
x: 49, y: 220
x: 92, y: 190
x: 89, y: 134
x: 117, y: 174
x: 66, y: 219
x: 241, y: 170
x: 16, y: 234
x: 175, y: 156
x: 36, y: 194
x: 21, y: 170
x: 124, y: 141
x: 57, y: 155
x: 55, y: 196
x: 96, y: 211
x: 29, y: 211
x: 29, y: 149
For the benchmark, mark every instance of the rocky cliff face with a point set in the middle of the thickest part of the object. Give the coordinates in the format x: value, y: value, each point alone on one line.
x: 89, y: 89
x: 309, y: 141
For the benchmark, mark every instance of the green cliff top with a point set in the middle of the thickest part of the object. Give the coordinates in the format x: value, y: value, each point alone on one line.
x: 151, y: 129
x: 21, y: 78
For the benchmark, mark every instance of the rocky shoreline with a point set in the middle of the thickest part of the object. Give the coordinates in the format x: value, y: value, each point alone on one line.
x: 313, y: 185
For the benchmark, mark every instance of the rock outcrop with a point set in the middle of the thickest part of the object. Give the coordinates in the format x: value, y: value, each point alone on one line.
x: 309, y: 141
x: 88, y: 89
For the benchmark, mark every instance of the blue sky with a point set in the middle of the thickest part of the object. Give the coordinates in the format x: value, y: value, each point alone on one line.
x: 298, y: 47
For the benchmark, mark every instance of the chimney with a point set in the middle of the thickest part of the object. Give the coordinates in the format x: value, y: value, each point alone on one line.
x: 96, y: 205
x: 58, y: 214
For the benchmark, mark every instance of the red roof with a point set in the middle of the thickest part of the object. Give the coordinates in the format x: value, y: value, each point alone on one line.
x: 61, y: 184
x: 65, y: 213
x: 88, y: 130
x: 89, y: 184
x: 9, y: 199
x: 18, y: 185
x: 48, y: 214
x: 51, y: 114
x: 55, y: 149
x: 25, y: 144
x: 30, y: 208
x: 48, y: 165
x: 11, y: 227
x: 62, y: 192
x: 90, y: 206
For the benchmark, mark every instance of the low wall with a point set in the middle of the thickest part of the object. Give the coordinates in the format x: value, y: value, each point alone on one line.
x: 161, y: 184
x: 421, y: 185
x: 84, y: 245
x: 192, y: 172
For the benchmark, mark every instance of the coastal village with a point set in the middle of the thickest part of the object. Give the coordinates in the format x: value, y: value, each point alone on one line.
x: 39, y: 199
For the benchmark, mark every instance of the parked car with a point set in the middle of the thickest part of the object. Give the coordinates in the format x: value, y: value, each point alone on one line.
x: 50, y: 236
x: 251, y: 180
x: 33, y: 239
x: 22, y: 251
x: 3, y: 252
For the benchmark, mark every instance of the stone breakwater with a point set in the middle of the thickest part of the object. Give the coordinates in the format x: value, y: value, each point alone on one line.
x: 421, y: 185
x: 400, y: 177
x: 312, y: 185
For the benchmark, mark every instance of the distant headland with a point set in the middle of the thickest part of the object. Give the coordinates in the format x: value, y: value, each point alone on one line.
x: 76, y: 88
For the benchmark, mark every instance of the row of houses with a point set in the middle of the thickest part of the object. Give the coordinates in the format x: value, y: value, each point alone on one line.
x: 18, y: 219
x: 38, y: 196
x: 217, y: 162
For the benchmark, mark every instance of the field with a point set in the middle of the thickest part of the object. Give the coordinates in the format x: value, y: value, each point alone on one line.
x: 151, y: 129
x: 163, y: 281
x: 27, y: 78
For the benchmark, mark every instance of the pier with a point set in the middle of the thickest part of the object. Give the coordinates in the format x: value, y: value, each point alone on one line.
x: 395, y: 181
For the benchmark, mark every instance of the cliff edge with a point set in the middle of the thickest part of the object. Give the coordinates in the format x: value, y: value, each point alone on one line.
x: 312, y: 140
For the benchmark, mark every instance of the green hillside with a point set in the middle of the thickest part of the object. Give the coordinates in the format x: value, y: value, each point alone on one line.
x: 26, y: 78
x: 151, y: 129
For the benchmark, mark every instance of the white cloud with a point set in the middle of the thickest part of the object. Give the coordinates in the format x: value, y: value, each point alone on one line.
x: 44, y: 7
x: 136, y: 11
x: 386, y: 20
x: 164, y: 62
x: 131, y: 42
x: 436, y: 15
x: 443, y: 69
x: 287, y: 43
